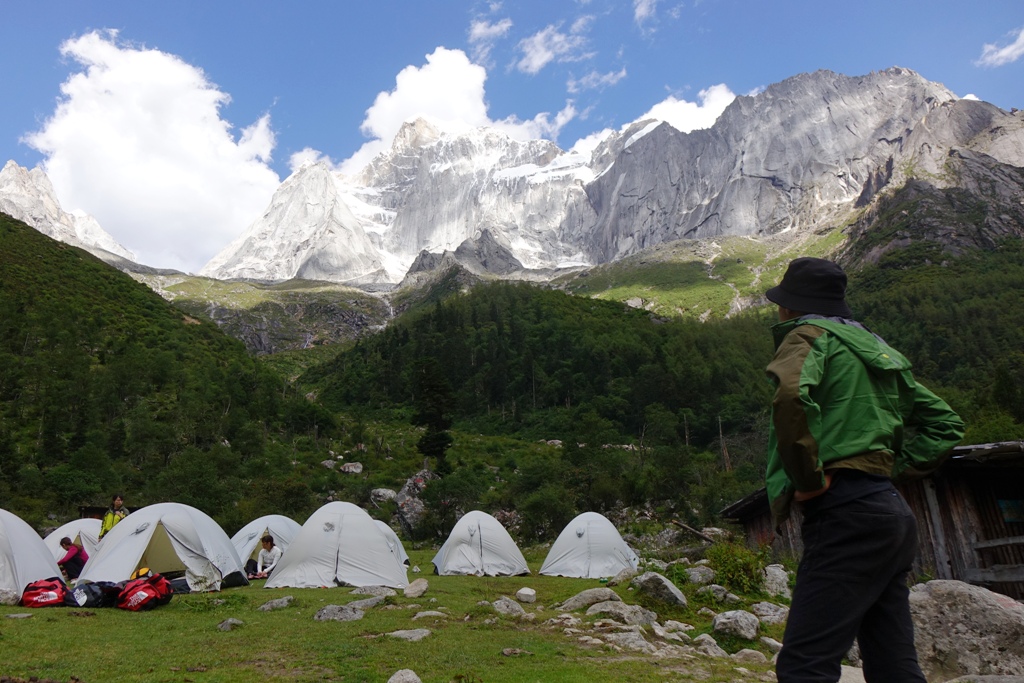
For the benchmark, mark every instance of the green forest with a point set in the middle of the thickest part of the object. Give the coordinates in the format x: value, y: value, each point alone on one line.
x: 522, y: 398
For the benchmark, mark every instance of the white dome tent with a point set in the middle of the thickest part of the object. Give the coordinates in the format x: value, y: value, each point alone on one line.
x: 167, y: 537
x: 24, y: 558
x: 339, y: 545
x: 479, y: 545
x: 247, y: 540
x: 84, y: 532
x: 393, y: 540
x: 589, y: 547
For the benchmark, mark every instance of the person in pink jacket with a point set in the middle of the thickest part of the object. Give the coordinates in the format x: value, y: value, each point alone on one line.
x: 74, y: 559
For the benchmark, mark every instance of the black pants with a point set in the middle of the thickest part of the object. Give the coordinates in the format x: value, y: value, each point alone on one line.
x: 860, y: 539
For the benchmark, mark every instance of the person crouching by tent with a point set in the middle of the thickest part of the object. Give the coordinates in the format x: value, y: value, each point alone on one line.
x: 266, y: 560
x: 74, y: 559
x: 114, y: 514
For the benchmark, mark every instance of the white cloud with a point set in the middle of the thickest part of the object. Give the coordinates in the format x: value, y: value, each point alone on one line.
x: 644, y: 10
x: 483, y: 35
x: 596, y: 81
x: 688, y: 116
x: 550, y: 44
x: 137, y: 141
x: 449, y: 91
x: 993, y: 55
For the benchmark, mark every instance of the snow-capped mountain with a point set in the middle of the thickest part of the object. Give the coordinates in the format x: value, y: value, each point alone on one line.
x: 29, y: 197
x: 803, y: 154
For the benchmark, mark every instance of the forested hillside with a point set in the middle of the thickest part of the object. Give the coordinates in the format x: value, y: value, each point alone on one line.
x: 106, y: 387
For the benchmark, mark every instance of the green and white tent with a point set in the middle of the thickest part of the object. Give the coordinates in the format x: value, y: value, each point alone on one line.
x: 589, y: 547
x: 479, y: 546
x: 166, y: 538
x: 339, y: 545
x: 24, y: 558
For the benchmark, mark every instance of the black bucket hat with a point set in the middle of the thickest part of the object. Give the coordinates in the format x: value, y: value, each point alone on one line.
x: 812, y: 285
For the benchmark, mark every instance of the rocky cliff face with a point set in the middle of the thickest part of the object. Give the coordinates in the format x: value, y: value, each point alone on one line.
x: 29, y: 197
x: 806, y: 153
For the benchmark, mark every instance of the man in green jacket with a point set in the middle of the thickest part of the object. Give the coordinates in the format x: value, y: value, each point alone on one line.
x: 847, y: 418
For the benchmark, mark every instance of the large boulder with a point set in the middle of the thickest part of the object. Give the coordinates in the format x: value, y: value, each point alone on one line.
x: 634, y: 615
x: 736, y: 623
x: 962, y: 629
x: 411, y: 509
x: 587, y: 598
x: 776, y: 581
x: 659, y: 588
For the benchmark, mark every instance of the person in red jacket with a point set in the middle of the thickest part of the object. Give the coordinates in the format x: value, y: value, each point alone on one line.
x: 74, y: 559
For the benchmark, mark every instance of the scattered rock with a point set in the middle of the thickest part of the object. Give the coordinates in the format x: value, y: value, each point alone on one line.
x: 412, y: 635
x: 706, y: 645
x: 338, y: 613
x: 665, y: 634
x: 430, y: 614
x: 417, y: 588
x: 776, y: 581
x: 365, y: 604
x: 622, y: 577
x: 329, y: 464
x: 770, y: 643
x: 658, y: 587
x: 19, y: 616
x: 526, y: 595
x: 404, y: 676
x: 279, y: 603
x: 515, y: 652
x: 737, y: 623
x: 229, y: 624
x: 655, y: 564
x: 379, y: 591
x: 352, y: 468
x: 378, y: 496
x: 748, y: 656
x: 770, y: 613
x: 631, y: 641
x: 700, y: 575
x: 631, y: 614
x: 509, y: 607
x: 672, y: 626
x: 589, y: 597
x: 707, y: 612
x: 966, y: 630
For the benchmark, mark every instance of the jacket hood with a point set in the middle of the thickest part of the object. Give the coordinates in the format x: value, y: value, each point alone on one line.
x: 871, y: 349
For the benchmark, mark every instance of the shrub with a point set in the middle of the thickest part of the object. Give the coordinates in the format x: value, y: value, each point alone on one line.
x: 738, y: 567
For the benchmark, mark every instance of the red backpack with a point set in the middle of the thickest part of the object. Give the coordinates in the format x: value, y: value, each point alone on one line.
x: 145, y: 593
x: 44, y: 593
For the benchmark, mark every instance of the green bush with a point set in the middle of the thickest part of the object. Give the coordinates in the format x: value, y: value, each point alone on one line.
x: 738, y: 567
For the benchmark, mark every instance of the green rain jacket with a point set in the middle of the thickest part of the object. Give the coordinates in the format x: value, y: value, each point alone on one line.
x: 846, y: 399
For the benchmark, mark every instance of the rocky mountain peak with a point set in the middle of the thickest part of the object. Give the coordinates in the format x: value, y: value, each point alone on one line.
x: 29, y: 196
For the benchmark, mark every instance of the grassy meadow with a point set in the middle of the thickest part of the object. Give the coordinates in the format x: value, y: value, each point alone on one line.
x: 180, y: 642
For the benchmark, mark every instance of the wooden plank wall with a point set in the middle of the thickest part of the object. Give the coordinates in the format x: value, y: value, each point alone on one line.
x: 955, y: 509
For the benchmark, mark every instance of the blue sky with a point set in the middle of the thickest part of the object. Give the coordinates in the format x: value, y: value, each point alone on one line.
x: 173, y: 123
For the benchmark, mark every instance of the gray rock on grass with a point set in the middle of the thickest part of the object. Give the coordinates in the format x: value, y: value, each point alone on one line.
x: 589, y: 597
x: 630, y: 614
x: 230, y: 624
x: 338, y: 613
x: 404, y: 676
x: 412, y: 635
x: 659, y: 588
x: 417, y: 588
x: 737, y: 623
x: 962, y: 630
x: 509, y: 607
x: 279, y: 603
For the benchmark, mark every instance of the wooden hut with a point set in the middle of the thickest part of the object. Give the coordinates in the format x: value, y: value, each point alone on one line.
x: 970, y: 516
